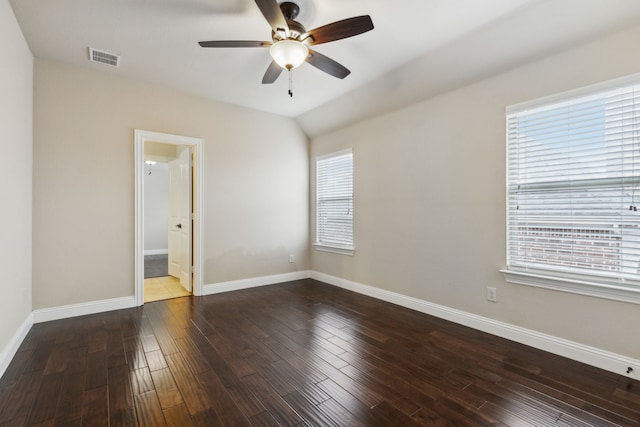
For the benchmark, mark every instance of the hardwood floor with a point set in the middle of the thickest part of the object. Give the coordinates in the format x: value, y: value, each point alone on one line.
x: 298, y: 353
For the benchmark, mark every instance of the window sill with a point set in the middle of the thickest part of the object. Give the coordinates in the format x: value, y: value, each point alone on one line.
x: 628, y: 292
x: 336, y: 249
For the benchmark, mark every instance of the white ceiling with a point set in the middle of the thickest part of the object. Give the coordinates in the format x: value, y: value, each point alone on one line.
x: 157, y: 40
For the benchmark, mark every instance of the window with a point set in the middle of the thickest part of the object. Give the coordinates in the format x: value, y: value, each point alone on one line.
x: 573, y: 178
x: 334, y: 202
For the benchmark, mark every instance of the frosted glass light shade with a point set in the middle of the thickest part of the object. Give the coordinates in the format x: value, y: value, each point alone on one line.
x: 289, y: 54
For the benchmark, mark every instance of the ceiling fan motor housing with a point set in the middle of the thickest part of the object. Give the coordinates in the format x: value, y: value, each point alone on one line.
x: 296, y: 29
x: 290, y: 11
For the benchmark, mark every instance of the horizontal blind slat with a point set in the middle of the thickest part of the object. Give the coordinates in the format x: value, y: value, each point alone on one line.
x: 573, y: 174
x: 334, y: 199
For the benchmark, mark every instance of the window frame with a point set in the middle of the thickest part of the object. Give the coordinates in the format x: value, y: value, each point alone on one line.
x: 328, y: 246
x: 626, y: 290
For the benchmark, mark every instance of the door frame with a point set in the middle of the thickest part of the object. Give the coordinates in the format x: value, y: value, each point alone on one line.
x: 197, y: 145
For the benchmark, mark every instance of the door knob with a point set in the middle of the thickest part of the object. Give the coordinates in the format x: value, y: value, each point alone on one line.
x: 178, y: 225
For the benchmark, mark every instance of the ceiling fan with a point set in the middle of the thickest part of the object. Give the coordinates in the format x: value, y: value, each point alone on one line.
x: 290, y: 41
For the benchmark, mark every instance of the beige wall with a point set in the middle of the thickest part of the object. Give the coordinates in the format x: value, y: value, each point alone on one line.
x: 429, y: 186
x: 156, y: 206
x: 255, y: 183
x: 16, y: 113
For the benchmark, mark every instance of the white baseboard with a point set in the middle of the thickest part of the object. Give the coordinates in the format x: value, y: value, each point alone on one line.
x: 73, y: 310
x: 582, y: 353
x: 81, y: 309
x: 235, y: 285
x: 156, y: 252
x: 12, y: 346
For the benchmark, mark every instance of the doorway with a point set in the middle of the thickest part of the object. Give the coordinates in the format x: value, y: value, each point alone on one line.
x: 167, y: 221
x: 178, y: 159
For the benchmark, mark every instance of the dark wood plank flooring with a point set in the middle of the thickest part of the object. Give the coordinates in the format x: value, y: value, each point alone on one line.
x: 298, y: 353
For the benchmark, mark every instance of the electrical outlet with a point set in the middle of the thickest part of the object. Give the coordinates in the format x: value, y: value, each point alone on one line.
x: 492, y: 294
x: 291, y: 258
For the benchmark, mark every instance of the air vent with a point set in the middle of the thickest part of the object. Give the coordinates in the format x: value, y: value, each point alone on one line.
x: 103, y: 57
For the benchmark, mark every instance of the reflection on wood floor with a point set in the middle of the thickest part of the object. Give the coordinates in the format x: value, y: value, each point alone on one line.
x: 301, y: 353
x: 159, y: 288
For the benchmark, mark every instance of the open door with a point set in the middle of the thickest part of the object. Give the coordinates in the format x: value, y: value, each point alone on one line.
x: 195, y: 233
x: 180, y: 217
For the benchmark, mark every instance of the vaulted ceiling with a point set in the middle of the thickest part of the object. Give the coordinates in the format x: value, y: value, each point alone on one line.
x: 418, y: 47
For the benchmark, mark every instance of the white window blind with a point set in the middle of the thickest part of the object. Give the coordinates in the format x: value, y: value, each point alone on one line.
x: 573, y: 177
x: 334, y: 200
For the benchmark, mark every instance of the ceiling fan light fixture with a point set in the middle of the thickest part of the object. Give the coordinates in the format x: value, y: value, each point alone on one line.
x: 289, y: 54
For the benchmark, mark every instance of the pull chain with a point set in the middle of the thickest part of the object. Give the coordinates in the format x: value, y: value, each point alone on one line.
x: 290, y: 84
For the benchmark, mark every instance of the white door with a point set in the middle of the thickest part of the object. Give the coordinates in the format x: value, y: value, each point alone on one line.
x: 180, y: 217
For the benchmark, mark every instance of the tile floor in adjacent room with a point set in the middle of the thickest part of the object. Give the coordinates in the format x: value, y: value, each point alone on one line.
x: 160, y: 288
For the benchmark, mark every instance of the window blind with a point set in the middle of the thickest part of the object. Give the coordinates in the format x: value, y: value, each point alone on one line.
x: 334, y: 200
x: 573, y: 177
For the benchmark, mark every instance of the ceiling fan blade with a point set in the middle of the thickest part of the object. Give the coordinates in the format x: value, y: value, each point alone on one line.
x: 272, y: 73
x: 328, y: 65
x: 234, y: 43
x: 340, y: 29
x: 272, y: 13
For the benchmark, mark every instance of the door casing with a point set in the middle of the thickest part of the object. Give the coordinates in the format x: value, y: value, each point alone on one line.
x: 197, y: 145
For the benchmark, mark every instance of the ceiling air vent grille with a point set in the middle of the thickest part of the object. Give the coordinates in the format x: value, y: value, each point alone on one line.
x: 103, y: 57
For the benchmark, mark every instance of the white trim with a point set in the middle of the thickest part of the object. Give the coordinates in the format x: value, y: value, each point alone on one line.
x: 582, y: 353
x: 602, y: 359
x: 328, y: 247
x: 81, y: 309
x: 10, y: 350
x: 235, y: 285
x: 156, y: 252
x: 93, y: 307
x: 344, y: 152
x: 571, y: 94
x: 197, y: 144
x: 573, y: 285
